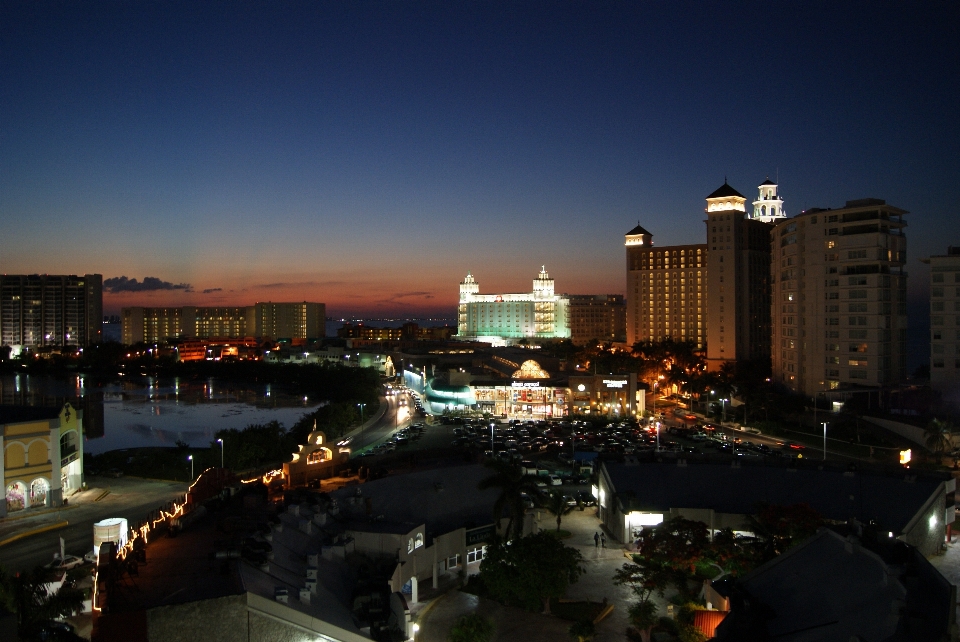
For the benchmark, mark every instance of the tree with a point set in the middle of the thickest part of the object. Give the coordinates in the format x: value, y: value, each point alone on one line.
x: 471, y: 628
x: 512, y: 484
x: 939, y: 437
x: 779, y: 528
x: 35, y: 604
x: 732, y: 554
x: 676, y: 547
x: 531, y: 570
x: 557, y: 504
x: 644, y: 577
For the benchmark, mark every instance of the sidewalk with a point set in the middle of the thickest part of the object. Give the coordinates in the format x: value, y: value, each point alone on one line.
x: 24, y: 523
x: 436, y: 618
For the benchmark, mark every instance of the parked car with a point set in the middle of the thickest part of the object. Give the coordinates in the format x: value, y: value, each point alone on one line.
x: 554, y: 480
x: 65, y: 564
x: 586, y: 499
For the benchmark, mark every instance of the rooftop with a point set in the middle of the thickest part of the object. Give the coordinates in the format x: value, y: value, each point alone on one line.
x: 724, y: 191
x: 891, y: 500
x: 637, y: 231
x: 444, y: 499
x: 833, y: 588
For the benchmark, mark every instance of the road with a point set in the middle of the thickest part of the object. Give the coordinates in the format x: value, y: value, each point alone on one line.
x: 130, y: 497
x: 809, y: 451
x: 399, y: 414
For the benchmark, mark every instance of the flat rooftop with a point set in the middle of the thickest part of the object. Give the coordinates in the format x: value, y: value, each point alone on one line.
x: 836, y: 494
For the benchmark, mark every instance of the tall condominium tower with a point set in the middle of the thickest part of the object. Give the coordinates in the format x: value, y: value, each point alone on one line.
x: 839, y: 297
x: 39, y: 310
x: 738, y: 286
x: 666, y: 290
x: 945, y: 323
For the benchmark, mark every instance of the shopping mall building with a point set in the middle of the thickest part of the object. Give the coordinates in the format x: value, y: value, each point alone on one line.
x: 530, y: 393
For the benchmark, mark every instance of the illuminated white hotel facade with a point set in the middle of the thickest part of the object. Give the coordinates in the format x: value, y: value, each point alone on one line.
x: 506, y: 318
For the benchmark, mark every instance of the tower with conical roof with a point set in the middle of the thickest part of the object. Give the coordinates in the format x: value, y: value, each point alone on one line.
x: 768, y: 207
x: 738, y: 279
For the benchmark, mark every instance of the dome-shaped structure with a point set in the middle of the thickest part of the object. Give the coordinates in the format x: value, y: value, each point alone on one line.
x: 531, y: 370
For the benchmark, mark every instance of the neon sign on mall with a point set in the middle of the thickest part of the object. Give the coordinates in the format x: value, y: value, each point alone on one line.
x: 614, y: 383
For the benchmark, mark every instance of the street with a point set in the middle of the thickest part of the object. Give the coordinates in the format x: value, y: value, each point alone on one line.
x: 129, y: 497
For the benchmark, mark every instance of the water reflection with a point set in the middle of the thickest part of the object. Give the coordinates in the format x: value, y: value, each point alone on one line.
x: 156, y: 412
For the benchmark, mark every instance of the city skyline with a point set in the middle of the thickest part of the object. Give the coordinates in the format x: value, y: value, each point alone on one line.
x: 368, y: 156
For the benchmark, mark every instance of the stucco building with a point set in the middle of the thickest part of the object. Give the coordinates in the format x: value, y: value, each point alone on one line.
x: 42, y: 456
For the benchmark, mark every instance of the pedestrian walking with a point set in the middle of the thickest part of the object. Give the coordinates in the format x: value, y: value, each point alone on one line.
x: 603, y: 540
x: 596, y: 540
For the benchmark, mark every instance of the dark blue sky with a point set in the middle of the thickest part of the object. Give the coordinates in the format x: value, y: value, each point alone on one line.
x: 368, y: 154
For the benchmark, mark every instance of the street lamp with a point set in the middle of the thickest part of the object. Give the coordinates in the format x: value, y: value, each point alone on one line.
x: 361, y: 406
x: 724, y: 402
x: 824, y: 441
x: 655, y: 383
x: 221, y: 452
x: 190, y: 457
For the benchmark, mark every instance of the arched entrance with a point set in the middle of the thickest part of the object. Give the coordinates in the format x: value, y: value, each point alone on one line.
x: 16, y: 496
x: 39, y: 489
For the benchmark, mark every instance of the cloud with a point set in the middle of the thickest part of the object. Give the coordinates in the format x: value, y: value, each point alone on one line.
x: 300, y: 284
x: 397, y: 298
x: 211, y: 290
x: 118, y: 284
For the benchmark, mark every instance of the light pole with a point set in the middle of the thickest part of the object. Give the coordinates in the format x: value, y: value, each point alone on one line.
x: 190, y: 457
x: 360, y: 406
x: 221, y: 452
x: 824, y: 441
x: 724, y: 402
x: 655, y: 399
x: 492, y: 451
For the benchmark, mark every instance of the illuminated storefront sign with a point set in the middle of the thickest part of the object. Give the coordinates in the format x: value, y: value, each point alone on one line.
x: 525, y: 384
x: 615, y: 383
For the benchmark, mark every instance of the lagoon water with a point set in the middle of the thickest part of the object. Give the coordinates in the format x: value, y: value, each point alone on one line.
x: 157, y: 412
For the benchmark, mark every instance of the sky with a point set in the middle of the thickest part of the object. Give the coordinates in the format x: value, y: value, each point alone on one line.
x: 368, y: 154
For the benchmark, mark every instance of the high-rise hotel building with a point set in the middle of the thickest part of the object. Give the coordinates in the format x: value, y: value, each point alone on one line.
x: 738, y: 285
x: 540, y: 314
x: 666, y: 290
x: 839, y: 297
x: 277, y: 321
x: 715, y: 295
x: 38, y: 310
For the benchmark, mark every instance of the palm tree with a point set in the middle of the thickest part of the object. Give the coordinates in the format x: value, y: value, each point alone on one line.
x: 939, y: 436
x: 512, y: 484
x: 557, y: 504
